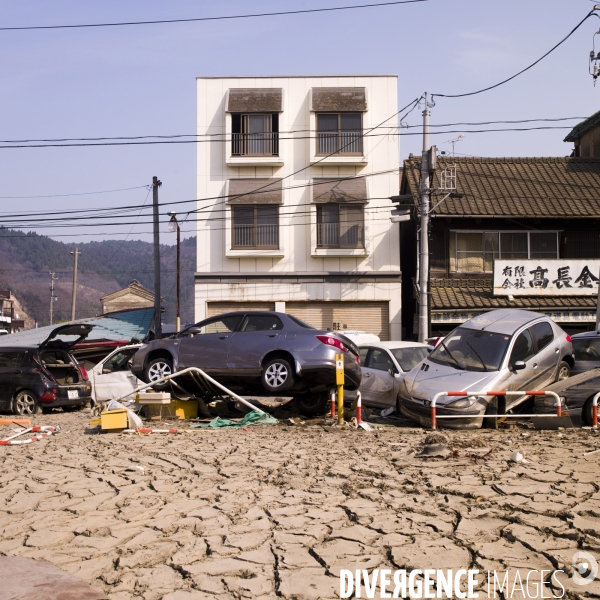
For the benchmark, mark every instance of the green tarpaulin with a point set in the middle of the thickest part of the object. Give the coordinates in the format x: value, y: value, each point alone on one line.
x: 252, y: 418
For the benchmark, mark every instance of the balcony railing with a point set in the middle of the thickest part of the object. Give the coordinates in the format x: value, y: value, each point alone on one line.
x: 255, y: 144
x: 342, y: 142
x: 255, y: 236
x: 328, y: 236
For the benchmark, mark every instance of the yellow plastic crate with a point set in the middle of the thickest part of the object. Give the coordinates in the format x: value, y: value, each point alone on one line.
x: 113, y: 419
x: 180, y: 409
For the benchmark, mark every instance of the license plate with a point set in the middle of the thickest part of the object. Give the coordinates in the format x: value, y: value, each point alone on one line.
x: 72, y: 394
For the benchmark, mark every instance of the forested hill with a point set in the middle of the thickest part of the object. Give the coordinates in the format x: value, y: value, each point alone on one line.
x: 104, y: 267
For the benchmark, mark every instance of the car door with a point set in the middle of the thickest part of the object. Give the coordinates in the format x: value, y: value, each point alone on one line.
x: 258, y: 335
x: 523, y: 349
x: 10, y: 373
x: 112, y: 377
x: 378, y: 385
x: 548, y: 352
x: 206, y: 344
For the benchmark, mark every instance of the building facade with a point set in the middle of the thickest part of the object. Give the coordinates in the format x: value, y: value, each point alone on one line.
x: 293, y: 209
x: 514, y: 233
x: 135, y: 295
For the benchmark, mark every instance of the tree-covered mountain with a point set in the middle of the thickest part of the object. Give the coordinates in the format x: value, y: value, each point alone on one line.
x: 104, y: 267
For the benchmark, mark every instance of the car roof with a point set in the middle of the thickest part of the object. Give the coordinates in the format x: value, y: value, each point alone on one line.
x: 506, y: 320
x: 392, y: 345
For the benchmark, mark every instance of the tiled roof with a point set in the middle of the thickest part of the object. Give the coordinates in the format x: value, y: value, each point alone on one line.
x: 583, y: 127
x: 473, y: 294
x: 514, y: 187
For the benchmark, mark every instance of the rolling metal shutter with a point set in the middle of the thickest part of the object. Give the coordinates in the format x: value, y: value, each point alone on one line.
x: 217, y: 308
x: 372, y: 317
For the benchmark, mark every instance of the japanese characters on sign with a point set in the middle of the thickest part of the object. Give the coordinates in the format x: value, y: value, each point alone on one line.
x: 546, y: 277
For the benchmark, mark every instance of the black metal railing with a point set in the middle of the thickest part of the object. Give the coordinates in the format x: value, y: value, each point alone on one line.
x: 255, y: 236
x: 344, y: 142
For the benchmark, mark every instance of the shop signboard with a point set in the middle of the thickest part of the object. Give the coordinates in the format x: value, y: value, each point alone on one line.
x: 546, y: 277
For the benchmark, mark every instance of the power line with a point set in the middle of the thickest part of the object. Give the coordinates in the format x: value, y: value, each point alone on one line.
x: 76, y: 194
x: 491, y: 87
x: 220, y: 18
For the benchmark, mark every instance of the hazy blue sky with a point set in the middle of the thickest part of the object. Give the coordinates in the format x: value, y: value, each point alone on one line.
x: 127, y: 81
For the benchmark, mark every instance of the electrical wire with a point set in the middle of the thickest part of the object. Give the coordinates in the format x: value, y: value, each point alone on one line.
x: 139, y: 187
x: 220, y: 18
x: 491, y: 87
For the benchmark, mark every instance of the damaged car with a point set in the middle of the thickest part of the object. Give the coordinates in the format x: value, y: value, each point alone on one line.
x: 261, y: 353
x: 45, y: 376
x: 499, y: 350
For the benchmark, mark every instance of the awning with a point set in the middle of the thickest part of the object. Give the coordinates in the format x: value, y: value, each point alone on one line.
x: 255, y: 191
x: 326, y: 189
x: 255, y: 100
x: 338, y: 99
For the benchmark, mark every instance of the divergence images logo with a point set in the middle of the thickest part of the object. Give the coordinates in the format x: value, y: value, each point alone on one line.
x: 585, y: 568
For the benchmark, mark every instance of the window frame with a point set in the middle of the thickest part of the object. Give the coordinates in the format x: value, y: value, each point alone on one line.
x: 254, y: 226
x: 319, y: 220
x: 270, y: 138
x: 338, y: 133
x: 453, y: 256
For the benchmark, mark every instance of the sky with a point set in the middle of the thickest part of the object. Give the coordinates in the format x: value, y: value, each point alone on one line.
x: 140, y: 80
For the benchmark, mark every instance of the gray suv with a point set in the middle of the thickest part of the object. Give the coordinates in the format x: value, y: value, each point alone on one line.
x: 258, y: 353
x: 499, y: 350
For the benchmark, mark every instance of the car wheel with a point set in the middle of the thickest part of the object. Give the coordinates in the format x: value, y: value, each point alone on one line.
x: 563, y: 372
x: 586, y: 412
x: 157, y: 369
x: 277, y: 375
x: 313, y: 404
x: 491, y: 411
x: 25, y: 403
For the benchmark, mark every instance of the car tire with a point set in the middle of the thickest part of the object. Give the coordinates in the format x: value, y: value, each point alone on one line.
x: 563, y: 372
x: 25, y: 403
x: 586, y: 412
x: 312, y: 405
x: 277, y: 375
x: 491, y: 411
x: 157, y: 368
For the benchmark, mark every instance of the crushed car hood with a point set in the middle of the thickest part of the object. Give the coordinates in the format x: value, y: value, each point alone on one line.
x: 439, y: 378
x: 81, y: 330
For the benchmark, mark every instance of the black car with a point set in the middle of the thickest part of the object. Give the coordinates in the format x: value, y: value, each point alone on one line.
x: 256, y: 352
x: 576, y: 393
x: 34, y: 378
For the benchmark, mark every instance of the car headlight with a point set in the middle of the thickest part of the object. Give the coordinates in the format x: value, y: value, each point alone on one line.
x: 461, y: 403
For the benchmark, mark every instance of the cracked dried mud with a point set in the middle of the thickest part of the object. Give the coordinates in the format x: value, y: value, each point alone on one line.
x: 278, y: 511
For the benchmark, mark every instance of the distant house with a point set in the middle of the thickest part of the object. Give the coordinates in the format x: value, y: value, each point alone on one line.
x: 515, y: 233
x: 586, y: 137
x: 134, y: 295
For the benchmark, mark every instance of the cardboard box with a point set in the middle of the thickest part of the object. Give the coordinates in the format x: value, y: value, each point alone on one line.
x: 113, y: 419
x: 153, y: 398
x: 180, y: 409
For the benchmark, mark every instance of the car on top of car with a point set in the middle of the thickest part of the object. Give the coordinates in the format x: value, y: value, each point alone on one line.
x: 265, y: 353
x: 500, y: 350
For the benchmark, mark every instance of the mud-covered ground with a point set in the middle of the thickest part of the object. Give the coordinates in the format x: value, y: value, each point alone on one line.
x: 278, y: 511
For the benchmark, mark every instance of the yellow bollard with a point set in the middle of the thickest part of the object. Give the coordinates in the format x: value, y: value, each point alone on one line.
x: 339, y: 380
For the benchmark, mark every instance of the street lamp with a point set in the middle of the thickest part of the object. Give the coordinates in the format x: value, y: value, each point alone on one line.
x: 174, y: 226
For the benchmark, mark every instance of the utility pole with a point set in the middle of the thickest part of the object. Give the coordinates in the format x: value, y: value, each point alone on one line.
x: 53, y: 298
x: 174, y: 226
x: 75, y: 254
x: 157, y: 303
x: 424, y: 238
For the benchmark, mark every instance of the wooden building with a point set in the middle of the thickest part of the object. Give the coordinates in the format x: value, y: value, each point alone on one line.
x: 134, y: 295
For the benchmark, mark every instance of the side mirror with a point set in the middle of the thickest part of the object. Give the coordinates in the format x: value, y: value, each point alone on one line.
x: 430, y: 349
x: 519, y: 365
x: 106, y: 371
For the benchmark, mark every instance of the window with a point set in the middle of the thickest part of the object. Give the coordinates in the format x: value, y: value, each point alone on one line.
x: 262, y: 323
x: 475, y: 251
x: 543, y: 334
x: 340, y: 226
x: 409, y: 357
x: 523, y: 348
x: 362, y: 352
x: 119, y: 362
x: 587, y: 349
x: 11, y: 360
x: 380, y: 360
x: 301, y: 323
x: 216, y: 325
x: 339, y: 132
x: 255, y: 226
x: 255, y: 134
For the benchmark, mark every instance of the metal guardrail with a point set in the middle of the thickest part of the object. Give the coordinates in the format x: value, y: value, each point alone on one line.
x: 194, y: 371
x: 435, y: 416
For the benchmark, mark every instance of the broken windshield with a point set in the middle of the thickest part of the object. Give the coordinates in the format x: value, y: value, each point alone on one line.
x: 472, y: 350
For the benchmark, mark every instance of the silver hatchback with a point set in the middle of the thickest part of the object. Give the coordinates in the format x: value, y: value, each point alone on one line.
x: 499, y: 350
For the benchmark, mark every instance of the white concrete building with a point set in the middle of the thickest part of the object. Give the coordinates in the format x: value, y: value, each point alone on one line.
x: 293, y: 202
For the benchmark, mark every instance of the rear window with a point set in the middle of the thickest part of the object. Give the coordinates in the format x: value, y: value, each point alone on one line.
x: 301, y: 323
x: 11, y: 359
x: 408, y: 358
x: 587, y: 349
x: 543, y: 334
